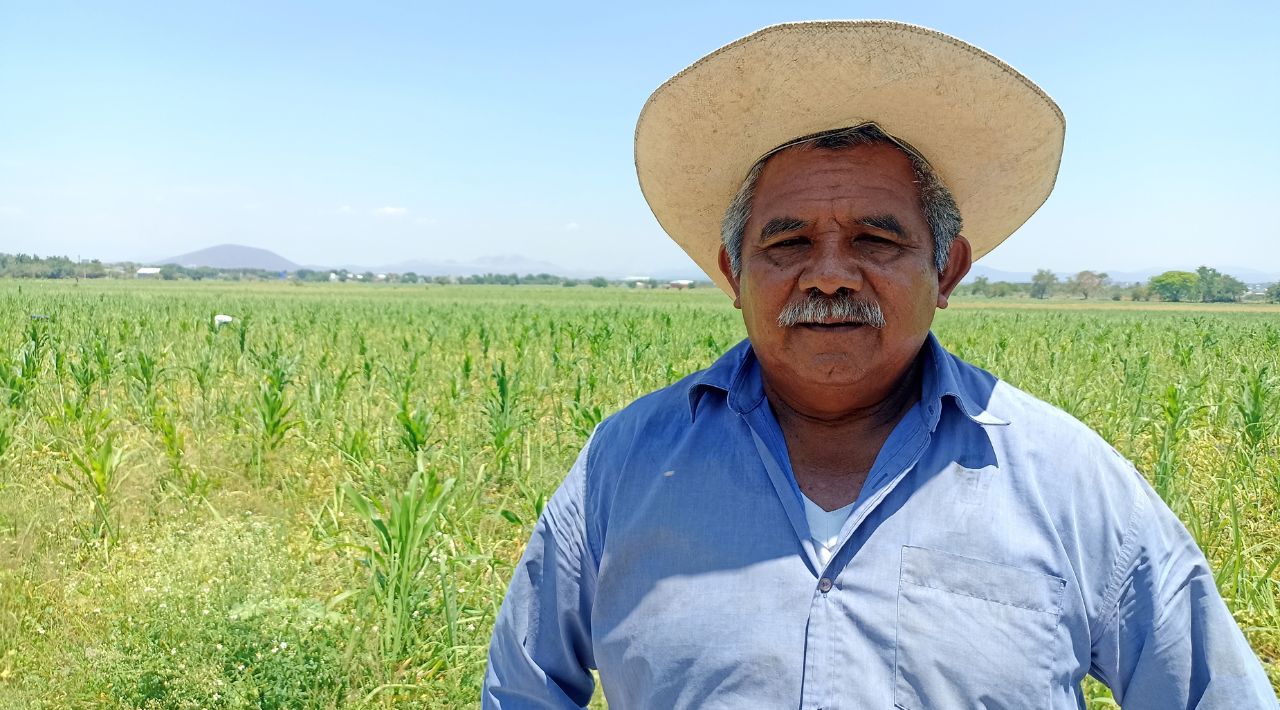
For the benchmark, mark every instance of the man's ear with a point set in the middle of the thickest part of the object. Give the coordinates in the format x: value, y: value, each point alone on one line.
x: 959, y: 259
x: 726, y: 268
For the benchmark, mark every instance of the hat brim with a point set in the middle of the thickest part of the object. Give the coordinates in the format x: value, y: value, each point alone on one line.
x: 993, y: 136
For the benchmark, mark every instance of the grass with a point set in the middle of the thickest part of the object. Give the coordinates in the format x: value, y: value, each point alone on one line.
x: 319, y: 504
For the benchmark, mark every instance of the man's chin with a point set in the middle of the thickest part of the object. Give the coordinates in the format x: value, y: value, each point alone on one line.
x: 837, y: 368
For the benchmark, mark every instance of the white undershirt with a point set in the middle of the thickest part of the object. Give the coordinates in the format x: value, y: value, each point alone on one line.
x: 824, y: 527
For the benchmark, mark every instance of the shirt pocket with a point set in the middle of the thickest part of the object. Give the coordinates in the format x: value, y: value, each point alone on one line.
x: 972, y: 633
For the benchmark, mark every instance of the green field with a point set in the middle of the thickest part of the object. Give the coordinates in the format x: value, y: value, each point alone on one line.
x: 319, y: 504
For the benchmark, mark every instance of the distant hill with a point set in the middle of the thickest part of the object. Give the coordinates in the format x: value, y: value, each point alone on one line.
x: 234, y: 256
x: 517, y: 264
x: 996, y: 275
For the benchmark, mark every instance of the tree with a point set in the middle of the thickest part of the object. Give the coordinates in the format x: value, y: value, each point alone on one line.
x: 599, y: 282
x: 1217, y: 287
x: 1175, y: 285
x: 1208, y: 281
x: 1273, y: 293
x: 1140, y: 292
x: 1042, y: 283
x: 981, y: 286
x: 1000, y: 289
x: 1087, y: 283
x: 1231, y: 288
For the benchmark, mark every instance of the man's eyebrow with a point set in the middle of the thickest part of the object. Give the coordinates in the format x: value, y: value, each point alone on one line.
x: 883, y: 222
x: 778, y: 225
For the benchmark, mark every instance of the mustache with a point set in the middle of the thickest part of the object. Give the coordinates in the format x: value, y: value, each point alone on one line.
x: 842, y: 307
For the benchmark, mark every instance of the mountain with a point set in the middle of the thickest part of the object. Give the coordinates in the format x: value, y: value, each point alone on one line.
x: 234, y: 256
x: 996, y: 275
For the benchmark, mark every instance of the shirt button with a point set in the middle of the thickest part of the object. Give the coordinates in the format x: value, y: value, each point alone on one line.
x: 824, y: 585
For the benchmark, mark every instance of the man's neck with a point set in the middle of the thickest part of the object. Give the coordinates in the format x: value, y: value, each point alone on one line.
x: 832, y: 449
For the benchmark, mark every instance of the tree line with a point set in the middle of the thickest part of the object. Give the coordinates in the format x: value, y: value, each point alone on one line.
x: 409, y: 277
x: 27, y: 266
x: 1204, y: 285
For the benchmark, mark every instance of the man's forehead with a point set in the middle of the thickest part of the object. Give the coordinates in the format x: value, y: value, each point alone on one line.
x: 876, y: 173
x: 870, y: 185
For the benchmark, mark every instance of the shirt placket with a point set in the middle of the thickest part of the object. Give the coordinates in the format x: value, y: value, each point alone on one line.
x: 819, y: 686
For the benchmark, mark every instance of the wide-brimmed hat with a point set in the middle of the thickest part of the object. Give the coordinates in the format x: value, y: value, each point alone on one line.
x: 993, y: 136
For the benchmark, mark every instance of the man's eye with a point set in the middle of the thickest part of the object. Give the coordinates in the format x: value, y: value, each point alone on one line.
x: 789, y: 242
x: 871, y: 241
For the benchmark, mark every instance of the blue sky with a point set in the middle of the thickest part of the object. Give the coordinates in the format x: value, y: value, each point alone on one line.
x: 375, y: 133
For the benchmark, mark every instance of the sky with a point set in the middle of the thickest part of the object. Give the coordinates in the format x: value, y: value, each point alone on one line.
x: 374, y: 133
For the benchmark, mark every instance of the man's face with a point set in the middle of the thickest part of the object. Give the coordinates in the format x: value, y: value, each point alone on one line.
x: 823, y: 221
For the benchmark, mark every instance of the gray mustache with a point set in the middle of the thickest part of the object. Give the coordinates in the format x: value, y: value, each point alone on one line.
x: 843, y: 307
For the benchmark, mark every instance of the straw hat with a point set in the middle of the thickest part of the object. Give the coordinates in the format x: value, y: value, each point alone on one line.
x: 993, y: 137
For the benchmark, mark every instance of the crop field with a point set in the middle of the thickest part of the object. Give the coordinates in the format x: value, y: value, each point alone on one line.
x: 318, y: 504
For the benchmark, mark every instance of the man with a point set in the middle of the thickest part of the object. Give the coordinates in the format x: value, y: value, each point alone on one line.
x: 839, y: 513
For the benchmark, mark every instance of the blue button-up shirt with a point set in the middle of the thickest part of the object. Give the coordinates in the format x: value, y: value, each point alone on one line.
x: 998, y: 551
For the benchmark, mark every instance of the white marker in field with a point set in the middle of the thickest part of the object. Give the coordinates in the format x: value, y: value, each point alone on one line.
x: 222, y: 319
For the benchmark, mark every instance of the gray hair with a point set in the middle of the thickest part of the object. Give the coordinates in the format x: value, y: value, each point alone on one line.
x: 936, y: 201
x: 841, y: 307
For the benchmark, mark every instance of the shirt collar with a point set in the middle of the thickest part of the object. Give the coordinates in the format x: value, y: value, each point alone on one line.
x: 735, y: 367
x: 947, y: 377
x: 736, y: 375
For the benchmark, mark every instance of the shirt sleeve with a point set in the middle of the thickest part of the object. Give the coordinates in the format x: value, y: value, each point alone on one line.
x: 1169, y: 640
x: 540, y: 655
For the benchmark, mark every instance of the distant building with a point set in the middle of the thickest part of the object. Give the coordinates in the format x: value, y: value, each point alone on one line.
x: 147, y: 272
x: 680, y: 284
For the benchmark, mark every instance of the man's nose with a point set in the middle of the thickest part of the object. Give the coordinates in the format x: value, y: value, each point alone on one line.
x: 831, y: 267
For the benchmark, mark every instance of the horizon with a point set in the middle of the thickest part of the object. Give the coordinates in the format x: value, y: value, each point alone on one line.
x: 328, y: 135
x: 523, y: 265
